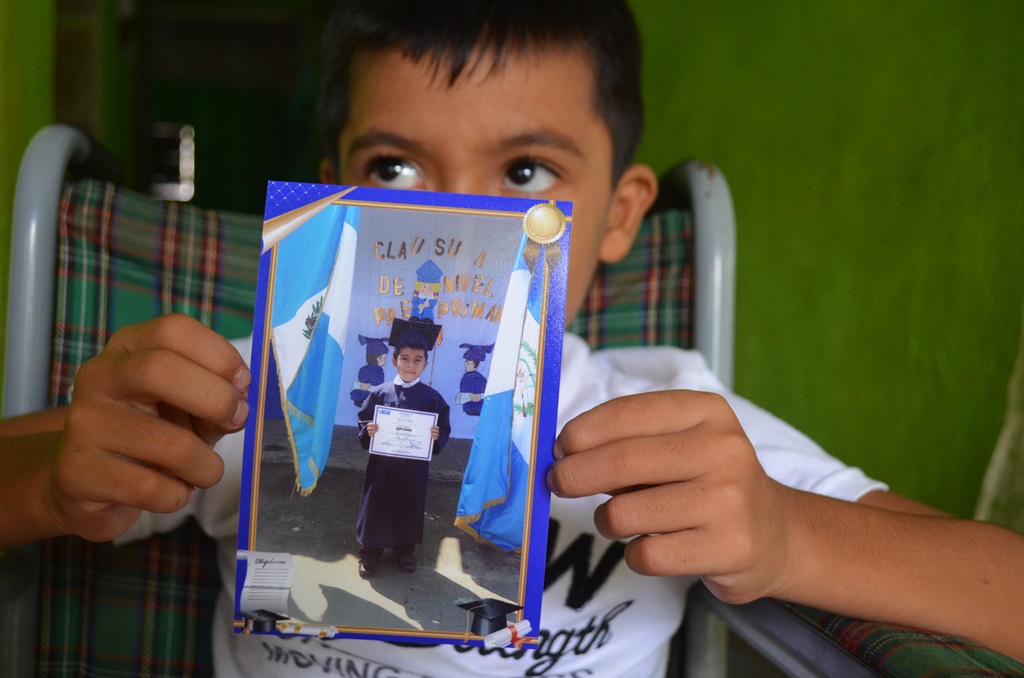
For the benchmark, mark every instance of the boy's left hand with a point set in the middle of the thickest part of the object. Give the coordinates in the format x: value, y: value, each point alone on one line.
x: 686, y: 482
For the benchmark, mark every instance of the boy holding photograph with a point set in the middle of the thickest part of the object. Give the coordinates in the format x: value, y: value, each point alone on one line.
x: 659, y: 470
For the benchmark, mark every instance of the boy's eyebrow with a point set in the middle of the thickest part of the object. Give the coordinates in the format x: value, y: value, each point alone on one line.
x: 372, y: 138
x: 549, y: 138
x: 543, y: 138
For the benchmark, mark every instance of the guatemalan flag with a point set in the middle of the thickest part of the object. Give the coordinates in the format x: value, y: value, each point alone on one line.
x: 312, y: 295
x: 492, y: 504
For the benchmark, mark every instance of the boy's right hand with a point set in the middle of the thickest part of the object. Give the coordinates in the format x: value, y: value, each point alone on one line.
x: 141, y: 427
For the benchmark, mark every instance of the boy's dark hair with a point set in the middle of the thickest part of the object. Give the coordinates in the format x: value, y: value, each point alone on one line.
x: 371, y: 358
x: 476, y: 363
x: 450, y: 32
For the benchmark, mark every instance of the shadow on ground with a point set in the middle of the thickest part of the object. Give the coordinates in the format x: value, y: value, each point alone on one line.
x: 319, y: 532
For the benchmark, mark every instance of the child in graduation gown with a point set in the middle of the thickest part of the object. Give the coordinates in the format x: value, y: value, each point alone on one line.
x: 394, y: 490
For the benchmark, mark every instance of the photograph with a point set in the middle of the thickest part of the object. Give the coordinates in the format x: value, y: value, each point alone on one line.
x: 405, y: 382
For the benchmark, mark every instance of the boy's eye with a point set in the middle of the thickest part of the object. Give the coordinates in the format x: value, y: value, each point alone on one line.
x: 529, y: 176
x: 394, y: 173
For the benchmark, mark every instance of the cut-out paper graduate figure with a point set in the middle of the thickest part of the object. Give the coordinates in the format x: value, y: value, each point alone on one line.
x: 394, y: 494
x: 473, y: 384
x: 427, y: 290
x: 372, y: 373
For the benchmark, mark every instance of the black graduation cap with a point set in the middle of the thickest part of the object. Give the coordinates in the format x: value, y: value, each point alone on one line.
x: 262, y: 621
x: 489, y: 614
x: 377, y: 346
x: 474, y: 352
x: 413, y: 332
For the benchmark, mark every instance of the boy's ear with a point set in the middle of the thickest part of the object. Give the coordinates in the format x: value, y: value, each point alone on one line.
x: 326, y: 172
x: 633, y: 196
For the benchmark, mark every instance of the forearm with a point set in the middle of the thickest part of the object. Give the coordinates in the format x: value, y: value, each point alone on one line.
x: 926, y: 571
x: 34, y: 422
x: 25, y: 512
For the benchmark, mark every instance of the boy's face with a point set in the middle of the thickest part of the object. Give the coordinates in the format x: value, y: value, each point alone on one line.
x: 410, y: 363
x: 526, y: 129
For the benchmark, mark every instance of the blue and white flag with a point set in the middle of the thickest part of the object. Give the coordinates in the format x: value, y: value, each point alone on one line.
x: 492, y: 504
x: 312, y: 295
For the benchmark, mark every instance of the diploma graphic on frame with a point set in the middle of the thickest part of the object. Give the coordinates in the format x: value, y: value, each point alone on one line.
x: 403, y: 433
x: 414, y: 311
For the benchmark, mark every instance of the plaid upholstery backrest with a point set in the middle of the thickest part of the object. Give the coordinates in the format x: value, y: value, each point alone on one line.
x: 124, y: 258
x: 645, y: 299
x: 144, y: 608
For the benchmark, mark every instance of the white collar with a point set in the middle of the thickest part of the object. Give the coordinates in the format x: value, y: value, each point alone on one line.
x: 406, y: 384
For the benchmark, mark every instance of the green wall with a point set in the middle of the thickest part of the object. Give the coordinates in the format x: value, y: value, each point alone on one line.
x: 26, y: 104
x: 875, y: 153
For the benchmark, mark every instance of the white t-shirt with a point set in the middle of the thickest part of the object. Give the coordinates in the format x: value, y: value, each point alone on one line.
x: 598, y: 618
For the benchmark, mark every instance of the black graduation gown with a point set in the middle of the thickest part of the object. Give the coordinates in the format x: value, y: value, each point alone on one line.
x: 395, y: 490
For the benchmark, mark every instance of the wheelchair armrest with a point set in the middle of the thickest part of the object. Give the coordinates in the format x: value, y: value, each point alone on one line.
x: 804, y: 641
x: 770, y: 628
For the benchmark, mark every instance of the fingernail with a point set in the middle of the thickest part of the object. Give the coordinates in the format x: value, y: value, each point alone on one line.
x: 191, y: 494
x: 241, y: 413
x: 556, y: 450
x: 550, y: 481
x: 242, y: 379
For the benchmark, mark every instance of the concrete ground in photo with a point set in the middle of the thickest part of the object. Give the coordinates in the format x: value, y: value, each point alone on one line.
x: 319, y: 531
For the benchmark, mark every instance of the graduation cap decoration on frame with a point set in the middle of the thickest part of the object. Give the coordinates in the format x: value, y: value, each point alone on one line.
x: 262, y: 621
x: 489, y: 615
x: 414, y: 333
